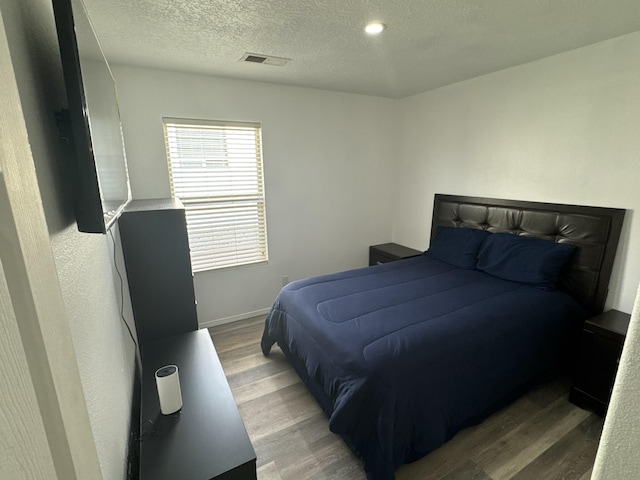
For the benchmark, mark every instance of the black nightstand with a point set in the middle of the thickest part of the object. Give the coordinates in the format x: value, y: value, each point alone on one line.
x: 600, y: 349
x: 390, y: 252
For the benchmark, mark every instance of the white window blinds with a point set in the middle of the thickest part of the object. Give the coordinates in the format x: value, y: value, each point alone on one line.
x: 215, y: 169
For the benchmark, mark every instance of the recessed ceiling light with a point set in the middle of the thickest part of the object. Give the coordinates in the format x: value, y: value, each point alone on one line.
x: 374, y: 28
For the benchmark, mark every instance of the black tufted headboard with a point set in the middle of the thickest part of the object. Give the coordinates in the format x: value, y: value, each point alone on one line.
x: 594, y: 230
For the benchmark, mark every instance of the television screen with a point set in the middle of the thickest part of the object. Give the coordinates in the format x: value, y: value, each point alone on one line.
x: 102, y: 184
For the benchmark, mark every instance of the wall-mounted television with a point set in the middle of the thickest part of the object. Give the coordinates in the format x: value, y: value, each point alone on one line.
x: 102, y: 181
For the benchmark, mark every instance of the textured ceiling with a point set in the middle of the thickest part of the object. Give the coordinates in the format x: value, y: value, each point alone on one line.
x: 427, y: 44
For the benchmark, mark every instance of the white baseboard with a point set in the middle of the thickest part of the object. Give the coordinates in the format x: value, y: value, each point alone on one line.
x: 234, y: 318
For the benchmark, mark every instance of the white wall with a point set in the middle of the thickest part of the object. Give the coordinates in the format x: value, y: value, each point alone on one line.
x: 103, y: 348
x: 329, y: 161
x: 88, y: 332
x: 563, y: 129
x: 26, y: 453
x: 618, y: 455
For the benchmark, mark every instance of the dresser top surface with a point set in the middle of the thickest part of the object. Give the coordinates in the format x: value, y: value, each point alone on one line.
x: 154, y: 204
x: 207, y: 437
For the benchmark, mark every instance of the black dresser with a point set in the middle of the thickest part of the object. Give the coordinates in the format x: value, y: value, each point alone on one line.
x: 207, y: 439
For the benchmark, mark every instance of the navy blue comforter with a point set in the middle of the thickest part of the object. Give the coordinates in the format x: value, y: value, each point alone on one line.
x: 403, y: 355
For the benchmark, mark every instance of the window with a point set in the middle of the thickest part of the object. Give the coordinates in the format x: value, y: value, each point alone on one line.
x: 215, y: 169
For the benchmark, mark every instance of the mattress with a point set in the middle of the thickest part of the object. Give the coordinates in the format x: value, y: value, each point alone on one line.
x: 401, y: 356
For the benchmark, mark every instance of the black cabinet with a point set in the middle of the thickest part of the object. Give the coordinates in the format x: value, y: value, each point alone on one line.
x: 390, y: 252
x: 207, y: 439
x: 156, y: 254
x: 601, y: 345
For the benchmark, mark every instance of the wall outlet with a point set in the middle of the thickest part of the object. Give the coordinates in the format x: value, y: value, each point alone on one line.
x: 285, y: 280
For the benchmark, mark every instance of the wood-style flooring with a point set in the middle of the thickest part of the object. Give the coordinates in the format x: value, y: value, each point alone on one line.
x: 540, y: 436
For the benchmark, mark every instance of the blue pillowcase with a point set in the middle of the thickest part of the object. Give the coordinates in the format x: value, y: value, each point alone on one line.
x: 458, y: 246
x: 524, y: 259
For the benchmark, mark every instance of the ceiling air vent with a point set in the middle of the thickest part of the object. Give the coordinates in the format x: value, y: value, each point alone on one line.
x: 264, y: 59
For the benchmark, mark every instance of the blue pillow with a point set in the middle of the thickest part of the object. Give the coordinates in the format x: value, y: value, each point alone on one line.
x: 529, y: 260
x: 457, y: 246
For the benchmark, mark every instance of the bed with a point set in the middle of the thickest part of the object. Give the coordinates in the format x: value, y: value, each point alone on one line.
x: 402, y: 356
